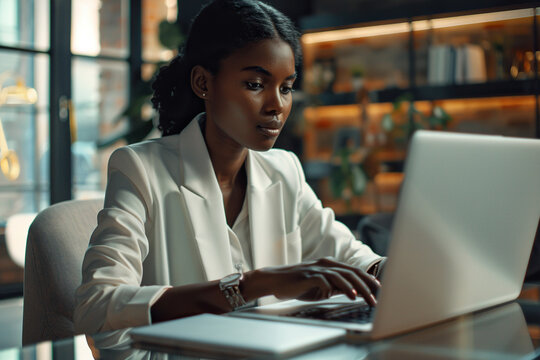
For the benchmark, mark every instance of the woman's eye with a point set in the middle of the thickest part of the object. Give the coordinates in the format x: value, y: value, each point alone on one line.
x: 286, y: 90
x: 253, y: 85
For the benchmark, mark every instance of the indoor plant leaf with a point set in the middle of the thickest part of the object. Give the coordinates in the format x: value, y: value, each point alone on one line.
x: 358, y: 179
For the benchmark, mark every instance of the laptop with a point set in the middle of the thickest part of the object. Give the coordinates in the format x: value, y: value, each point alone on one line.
x: 226, y: 337
x: 463, y: 231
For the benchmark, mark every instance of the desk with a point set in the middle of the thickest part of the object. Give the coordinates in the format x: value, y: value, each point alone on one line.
x: 511, y: 331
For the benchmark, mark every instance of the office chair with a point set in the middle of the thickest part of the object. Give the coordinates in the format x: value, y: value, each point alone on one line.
x: 375, y: 231
x: 57, y: 241
x: 16, y: 234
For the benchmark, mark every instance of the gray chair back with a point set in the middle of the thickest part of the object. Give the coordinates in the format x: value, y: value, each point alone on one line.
x: 57, y: 241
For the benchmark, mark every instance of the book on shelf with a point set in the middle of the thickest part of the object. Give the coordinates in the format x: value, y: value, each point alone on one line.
x: 456, y: 65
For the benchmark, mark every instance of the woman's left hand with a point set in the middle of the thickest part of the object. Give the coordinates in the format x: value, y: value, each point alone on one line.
x: 313, y: 280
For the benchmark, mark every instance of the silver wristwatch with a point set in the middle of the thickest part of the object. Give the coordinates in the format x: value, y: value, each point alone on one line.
x: 230, y: 287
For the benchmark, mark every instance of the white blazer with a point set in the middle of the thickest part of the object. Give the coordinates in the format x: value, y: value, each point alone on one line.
x: 164, y: 224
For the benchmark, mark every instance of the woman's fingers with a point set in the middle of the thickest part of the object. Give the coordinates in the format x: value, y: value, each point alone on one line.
x: 339, y: 280
x: 358, y: 284
x: 319, y: 280
x: 341, y: 283
x: 322, y: 285
x: 368, y: 279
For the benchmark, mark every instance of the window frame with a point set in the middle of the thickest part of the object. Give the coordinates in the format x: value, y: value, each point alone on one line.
x: 61, y: 168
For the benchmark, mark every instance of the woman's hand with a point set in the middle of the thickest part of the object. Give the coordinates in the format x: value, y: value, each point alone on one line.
x: 315, y: 280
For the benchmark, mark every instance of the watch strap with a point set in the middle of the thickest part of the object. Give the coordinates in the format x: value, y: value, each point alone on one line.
x: 233, y: 296
x: 230, y: 287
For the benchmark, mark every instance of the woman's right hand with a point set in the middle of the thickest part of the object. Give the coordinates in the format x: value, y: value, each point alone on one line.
x: 315, y: 280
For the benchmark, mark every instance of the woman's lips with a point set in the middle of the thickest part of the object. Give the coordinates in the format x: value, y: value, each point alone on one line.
x: 269, y: 131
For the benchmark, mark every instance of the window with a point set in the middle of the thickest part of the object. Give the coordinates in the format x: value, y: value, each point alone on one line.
x: 100, y: 83
x: 24, y: 41
x: 97, y: 64
x: 24, y: 65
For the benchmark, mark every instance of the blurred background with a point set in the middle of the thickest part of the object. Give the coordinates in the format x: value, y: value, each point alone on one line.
x: 75, y: 84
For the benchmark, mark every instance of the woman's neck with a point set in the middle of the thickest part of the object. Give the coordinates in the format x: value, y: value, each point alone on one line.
x: 227, y: 158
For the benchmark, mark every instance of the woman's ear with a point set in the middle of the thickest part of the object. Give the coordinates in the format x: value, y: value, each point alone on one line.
x: 200, y: 79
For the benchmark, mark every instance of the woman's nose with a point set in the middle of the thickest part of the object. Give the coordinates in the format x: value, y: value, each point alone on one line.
x: 274, y: 102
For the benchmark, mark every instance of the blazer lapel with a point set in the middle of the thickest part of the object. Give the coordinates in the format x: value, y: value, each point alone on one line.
x: 266, y: 216
x: 204, y: 203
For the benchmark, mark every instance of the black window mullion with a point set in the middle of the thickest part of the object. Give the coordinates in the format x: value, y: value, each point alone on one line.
x: 135, y: 45
x: 60, y: 94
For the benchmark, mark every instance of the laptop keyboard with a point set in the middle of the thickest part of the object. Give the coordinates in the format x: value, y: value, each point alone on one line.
x: 354, y: 313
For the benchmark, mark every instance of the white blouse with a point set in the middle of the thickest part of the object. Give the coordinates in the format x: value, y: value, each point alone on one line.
x: 239, y: 236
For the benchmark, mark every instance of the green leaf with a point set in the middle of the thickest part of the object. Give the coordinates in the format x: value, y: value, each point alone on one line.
x: 387, y: 123
x: 438, y: 112
x: 337, y: 182
x: 170, y: 35
x: 442, y: 115
x: 344, y: 160
x: 358, y: 179
x: 433, y: 121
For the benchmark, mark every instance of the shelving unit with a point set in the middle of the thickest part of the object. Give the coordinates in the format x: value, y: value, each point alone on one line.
x: 438, y: 92
x: 497, y: 95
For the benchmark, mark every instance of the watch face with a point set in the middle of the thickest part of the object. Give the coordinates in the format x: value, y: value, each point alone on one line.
x: 231, y: 279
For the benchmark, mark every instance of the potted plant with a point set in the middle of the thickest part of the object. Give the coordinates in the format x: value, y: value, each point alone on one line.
x: 405, y: 119
x: 347, y: 178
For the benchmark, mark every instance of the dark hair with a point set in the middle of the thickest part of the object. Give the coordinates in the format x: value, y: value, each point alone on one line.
x: 220, y: 28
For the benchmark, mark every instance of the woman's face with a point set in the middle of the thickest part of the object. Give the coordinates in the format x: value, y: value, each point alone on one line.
x: 250, y: 98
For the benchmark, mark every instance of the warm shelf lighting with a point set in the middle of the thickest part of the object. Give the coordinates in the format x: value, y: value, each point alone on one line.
x: 355, y: 33
x: 482, y: 104
x: 471, y: 19
x: 419, y: 25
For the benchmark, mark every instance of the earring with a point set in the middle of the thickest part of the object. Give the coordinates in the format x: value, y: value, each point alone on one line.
x: 204, y: 94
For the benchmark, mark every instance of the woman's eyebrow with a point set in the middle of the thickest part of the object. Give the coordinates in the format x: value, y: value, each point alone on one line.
x: 263, y: 71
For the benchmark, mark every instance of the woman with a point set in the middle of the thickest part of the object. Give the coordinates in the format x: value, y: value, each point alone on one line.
x: 182, y: 212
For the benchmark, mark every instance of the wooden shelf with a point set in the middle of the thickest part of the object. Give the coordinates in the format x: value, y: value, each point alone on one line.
x: 439, y: 92
x: 443, y: 92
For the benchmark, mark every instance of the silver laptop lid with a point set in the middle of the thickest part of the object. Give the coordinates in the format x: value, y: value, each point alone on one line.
x: 463, y: 232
